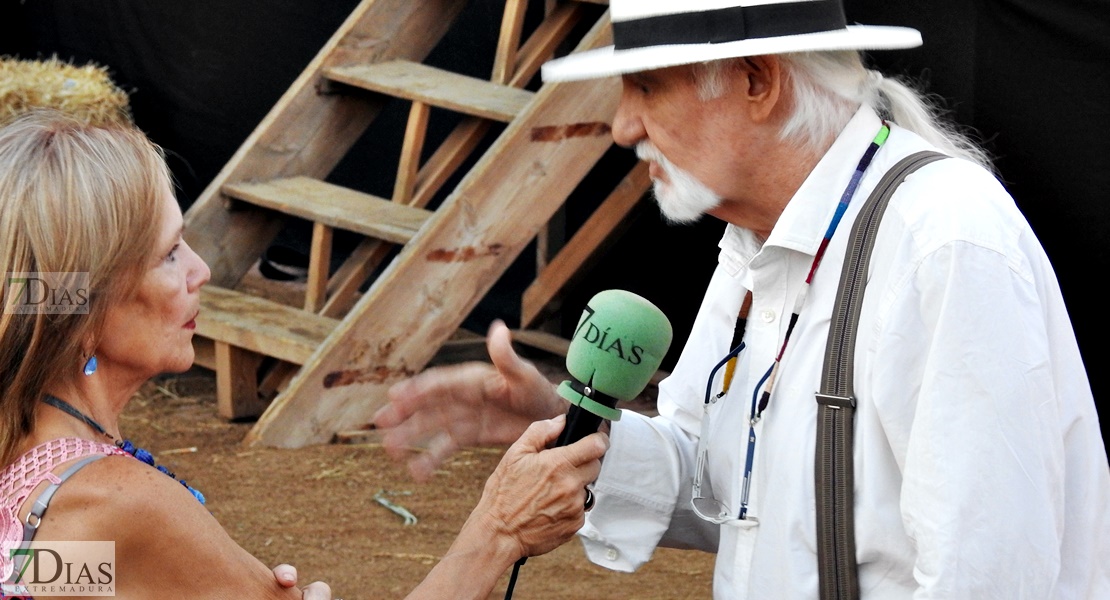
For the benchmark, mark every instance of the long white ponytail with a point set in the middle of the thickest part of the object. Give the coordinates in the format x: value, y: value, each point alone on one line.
x: 828, y: 86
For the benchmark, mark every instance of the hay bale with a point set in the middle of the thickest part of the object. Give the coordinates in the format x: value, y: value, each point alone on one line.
x: 86, y: 92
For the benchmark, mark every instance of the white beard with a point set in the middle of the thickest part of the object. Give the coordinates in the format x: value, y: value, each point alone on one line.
x: 682, y: 198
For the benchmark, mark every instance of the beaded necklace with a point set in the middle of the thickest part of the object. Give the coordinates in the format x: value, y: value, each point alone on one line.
x: 125, y: 445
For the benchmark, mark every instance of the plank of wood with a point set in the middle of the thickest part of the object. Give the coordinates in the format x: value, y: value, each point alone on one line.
x: 204, y: 353
x: 512, y: 24
x: 319, y: 265
x: 448, y: 157
x: 261, y: 325
x: 411, y: 148
x: 543, y: 42
x: 349, y: 277
x: 237, y: 383
x: 437, y: 87
x: 586, y: 243
x: 442, y: 274
x: 335, y: 206
x: 309, y: 130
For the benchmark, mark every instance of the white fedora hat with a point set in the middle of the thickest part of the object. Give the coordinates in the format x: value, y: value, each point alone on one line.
x: 652, y: 34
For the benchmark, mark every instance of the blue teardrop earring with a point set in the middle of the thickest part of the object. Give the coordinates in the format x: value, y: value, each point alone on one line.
x: 90, y: 366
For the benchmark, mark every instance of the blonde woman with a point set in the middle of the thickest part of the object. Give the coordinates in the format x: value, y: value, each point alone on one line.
x: 96, y: 203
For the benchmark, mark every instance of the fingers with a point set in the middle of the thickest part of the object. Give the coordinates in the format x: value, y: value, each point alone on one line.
x: 499, y: 344
x: 586, y: 450
x: 406, y: 398
x: 539, y: 434
x: 316, y: 591
x: 583, y: 455
x: 286, y: 575
x: 422, y: 466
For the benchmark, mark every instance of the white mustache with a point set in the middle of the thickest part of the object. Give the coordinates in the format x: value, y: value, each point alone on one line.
x: 684, y: 199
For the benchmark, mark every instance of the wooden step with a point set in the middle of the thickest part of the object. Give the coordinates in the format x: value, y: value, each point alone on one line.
x: 436, y: 87
x: 261, y: 325
x: 334, y: 206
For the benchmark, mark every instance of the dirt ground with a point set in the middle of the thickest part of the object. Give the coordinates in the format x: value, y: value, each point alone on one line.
x: 314, y: 507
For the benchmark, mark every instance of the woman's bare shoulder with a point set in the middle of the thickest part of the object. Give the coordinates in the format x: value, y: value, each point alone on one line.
x: 163, y: 536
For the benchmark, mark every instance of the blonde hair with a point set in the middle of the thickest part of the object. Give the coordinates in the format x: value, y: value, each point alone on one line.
x: 74, y: 198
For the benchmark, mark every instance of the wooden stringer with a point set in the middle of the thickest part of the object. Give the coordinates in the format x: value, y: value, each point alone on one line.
x: 338, y: 353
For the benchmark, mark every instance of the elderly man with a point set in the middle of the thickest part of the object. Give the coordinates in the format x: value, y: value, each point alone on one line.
x: 979, y: 467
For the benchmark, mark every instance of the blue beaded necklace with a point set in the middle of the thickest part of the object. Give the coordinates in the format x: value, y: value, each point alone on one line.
x: 124, y: 445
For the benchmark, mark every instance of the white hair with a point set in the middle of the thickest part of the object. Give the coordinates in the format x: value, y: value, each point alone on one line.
x: 828, y: 87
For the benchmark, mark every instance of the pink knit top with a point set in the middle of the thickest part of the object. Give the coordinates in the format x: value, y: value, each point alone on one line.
x: 20, y: 478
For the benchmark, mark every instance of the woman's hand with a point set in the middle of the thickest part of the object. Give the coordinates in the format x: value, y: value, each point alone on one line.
x: 536, y: 497
x: 474, y: 404
x: 533, y: 503
x: 286, y: 576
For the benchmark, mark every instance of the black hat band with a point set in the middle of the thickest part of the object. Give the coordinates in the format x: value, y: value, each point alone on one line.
x: 730, y: 24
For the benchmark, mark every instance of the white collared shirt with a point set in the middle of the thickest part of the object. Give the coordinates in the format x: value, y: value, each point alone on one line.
x: 980, y: 470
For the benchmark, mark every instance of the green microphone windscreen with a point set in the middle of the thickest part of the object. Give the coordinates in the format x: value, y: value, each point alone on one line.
x: 618, y: 345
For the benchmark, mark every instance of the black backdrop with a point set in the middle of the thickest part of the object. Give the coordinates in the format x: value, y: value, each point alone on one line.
x: 1031, y: 77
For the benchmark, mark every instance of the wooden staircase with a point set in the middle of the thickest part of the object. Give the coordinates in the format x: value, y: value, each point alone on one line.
x: 330, y: 360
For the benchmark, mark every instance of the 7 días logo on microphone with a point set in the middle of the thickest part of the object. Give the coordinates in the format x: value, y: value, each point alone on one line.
x: 600, y: 338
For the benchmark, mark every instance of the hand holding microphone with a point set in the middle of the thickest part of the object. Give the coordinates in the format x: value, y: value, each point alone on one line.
x: 617, y: 347
x: 619, y: 342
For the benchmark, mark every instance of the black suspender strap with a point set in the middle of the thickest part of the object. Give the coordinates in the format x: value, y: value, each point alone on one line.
x: 836, y: 403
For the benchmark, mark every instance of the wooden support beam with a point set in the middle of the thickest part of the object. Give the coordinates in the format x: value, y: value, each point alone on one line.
x: 319, y: 265
x: 352, y: 274
x: 411, y: 148
x: 571, y: 261
x: 448, y: 157
x: 204, y: 352
x: 237, y: 382
x: 512, y: 24
x: 543, y: 42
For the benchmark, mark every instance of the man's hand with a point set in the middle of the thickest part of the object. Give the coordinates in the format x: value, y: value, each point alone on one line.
x: 474, y: 404
x: 286, y: 576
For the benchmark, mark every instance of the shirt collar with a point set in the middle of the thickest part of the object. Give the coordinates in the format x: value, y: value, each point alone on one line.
x: 807, y: 215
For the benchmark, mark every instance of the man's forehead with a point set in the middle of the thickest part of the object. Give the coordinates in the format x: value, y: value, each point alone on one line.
x: 660, y: 74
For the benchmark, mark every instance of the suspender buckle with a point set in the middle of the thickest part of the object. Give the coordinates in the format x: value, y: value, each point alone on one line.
x: 836, y: 402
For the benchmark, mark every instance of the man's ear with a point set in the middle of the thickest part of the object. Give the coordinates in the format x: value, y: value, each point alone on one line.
x: 764, y: 89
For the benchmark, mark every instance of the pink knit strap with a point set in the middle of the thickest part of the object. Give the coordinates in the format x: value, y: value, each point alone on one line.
x: 20, y: 478
x: 36, y: 464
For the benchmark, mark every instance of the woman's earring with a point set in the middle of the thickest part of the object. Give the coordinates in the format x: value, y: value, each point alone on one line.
x: 90, y: 366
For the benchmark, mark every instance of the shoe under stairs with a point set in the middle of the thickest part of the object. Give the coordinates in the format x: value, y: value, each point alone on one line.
x: 331, y: 360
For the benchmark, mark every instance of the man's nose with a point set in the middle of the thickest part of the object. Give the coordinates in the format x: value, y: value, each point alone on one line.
x: 628, y: 129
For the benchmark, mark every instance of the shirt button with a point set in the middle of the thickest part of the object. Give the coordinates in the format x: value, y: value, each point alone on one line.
x: 612, y: 554
x: 768, y: 316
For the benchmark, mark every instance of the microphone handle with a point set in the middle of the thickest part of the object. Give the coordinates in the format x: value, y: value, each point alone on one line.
x: 580, y: 423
